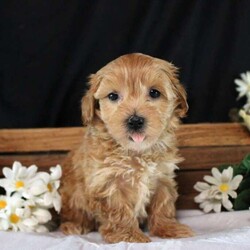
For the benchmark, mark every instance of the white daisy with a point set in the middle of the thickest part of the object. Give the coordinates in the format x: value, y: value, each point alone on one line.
x: 18, y: 179
x: 7, y: 207
x: 213, y: 197
x: 46, y: 193
x: 36, y: 219
x: 29, y: 195
x: 243, y: 85
x: 13, y: 213
x: 17, y: 216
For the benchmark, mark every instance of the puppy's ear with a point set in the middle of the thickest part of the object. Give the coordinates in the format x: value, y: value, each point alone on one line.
x: 181, y: 102
x: 181, y: 106
x: 89, y: 103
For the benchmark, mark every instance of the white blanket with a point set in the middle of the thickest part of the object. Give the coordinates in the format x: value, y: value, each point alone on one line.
x: 227, y: 230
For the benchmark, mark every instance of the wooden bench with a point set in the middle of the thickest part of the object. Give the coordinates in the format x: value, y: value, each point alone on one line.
x: 202, y: 145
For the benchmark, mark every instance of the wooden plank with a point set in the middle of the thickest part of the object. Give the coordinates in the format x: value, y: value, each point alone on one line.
x: 54, y: 139
x: 213, y: 134
x: 33, y: 140
x: 186, y: 202
x: 44, y: 160
x: 208, y: 157
x: 186, y: 181
x: 195, y: 157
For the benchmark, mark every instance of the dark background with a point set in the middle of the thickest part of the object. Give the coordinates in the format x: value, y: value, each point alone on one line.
x: 48, y: 48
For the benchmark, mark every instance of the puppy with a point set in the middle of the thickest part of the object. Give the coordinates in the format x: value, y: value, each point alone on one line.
x: 123, y: 172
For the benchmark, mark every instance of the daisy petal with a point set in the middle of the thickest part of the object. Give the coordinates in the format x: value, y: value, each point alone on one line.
x: 30, y: 222
x: 216, y: 173
x: 31, y: 171
x: 236, y: 182
x: 208, y: 207
x: 42, y: 215
x: 57, y: 202
x: 227, y: 204
x: 217, y: 207
x: 227, y: 175
x: 201, y: 186
x: 41, y: 229
x: 7, y: 172
x: 210, y: 180
x: 56, y: 172
x: 233, y: 194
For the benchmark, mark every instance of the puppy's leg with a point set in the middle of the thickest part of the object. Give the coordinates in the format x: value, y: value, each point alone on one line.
x: 119, y: 224
x: 76, y: 222
x: 74, y: 219
x: 162, y: 220
x: 126, y: 229
x: 114, y: 203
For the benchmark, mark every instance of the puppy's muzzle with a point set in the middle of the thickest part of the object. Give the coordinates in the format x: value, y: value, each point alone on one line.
x: 135, y: 123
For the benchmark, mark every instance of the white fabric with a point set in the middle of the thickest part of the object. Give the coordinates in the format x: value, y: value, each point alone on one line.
x: 227, y: 230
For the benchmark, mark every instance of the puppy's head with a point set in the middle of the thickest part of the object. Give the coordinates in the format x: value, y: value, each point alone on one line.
x: 137, y: 97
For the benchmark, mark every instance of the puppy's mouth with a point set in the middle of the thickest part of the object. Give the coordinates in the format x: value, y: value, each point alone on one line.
x: 137, y: 137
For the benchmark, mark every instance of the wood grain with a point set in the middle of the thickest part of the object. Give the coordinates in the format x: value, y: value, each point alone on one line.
x: 196, y: 158
x: 43, y: 160
x: 213, y: 134
x: 54, y: 139
x: 208, y: 157
x: 44, y: 139
x: 186, y: 181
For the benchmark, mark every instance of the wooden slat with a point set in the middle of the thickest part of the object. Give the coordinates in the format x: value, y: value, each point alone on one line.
x: 42, y: 160
x: 33, y: 140
x: 186, y: 202
x: 189, y: 135
x: 186, y: 181
x: 195, y: 157
x: 213, y: 134
x: 208, y: 157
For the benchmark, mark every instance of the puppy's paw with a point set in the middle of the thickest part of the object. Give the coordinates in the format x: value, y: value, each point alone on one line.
x: 70, y: 228
x: 173, y: 230
x: 134, y: 236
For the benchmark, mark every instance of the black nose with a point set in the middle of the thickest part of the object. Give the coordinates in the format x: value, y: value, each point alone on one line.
x: 135, y: 122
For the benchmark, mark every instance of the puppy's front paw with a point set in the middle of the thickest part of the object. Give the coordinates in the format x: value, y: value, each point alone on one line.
x: 173, y: 230
x: 70, y: 228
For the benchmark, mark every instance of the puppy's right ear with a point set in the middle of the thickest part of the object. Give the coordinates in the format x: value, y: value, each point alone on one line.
x: 89, y: 103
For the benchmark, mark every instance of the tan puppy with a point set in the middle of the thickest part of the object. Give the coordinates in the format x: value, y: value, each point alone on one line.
x: 123, y: 172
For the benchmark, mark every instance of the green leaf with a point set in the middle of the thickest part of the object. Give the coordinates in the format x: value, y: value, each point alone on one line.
x: 244, y: 167
x: 242, y: 201
x: 245, y: 184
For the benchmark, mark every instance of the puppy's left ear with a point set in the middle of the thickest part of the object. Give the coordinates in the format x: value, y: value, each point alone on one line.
x: 181, y: 102
x: 181, y: 106
x: 89, y: 103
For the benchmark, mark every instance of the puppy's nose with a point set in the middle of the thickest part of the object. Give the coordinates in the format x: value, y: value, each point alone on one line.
x: 135, y: 122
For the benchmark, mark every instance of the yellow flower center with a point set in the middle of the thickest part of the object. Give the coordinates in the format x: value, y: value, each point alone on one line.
x: 19, y: 184
x: 224, y: 187
x: 3, y: 204
x: 14, y: 218
x: 49, y: 186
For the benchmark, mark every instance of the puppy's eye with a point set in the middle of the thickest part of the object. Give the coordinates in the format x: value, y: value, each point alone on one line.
x: 154, y: 93
x: 113, y: 97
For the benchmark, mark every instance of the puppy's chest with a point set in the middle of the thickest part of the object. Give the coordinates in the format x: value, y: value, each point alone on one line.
x: 146, y: 185
x: 141, y: 176
x: 139, y: 173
